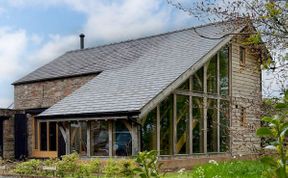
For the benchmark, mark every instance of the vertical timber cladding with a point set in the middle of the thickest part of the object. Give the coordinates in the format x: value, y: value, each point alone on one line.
x: 20, y: 129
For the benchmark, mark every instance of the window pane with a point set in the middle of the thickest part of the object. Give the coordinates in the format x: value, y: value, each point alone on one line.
x: 43, y: 136
x: 224, y: 71
x: 52, y: 136
x: 224, y: 126
x: 185, y: 85
x: 242, y: 55
x: 122, y: 139
x: 79, y: 137
x: 166, y: 115
x: 212, y: 143
x: 149, y: 135
x: 197, y: 124
x: 212, y: 75
x: 99, y: 138
x: 182, y: 145
x: 197, y: 80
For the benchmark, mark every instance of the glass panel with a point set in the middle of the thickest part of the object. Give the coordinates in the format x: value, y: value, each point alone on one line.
x: 224, y: 126
x: 35, y: 134
x: 197, y: 124
x: 78, y: 134
x: 212, y: 143
x: 185, y: 85
x: 52, y: 136
x: 224, y: 71
x: 242, y: 55
x: 149, y: 133
x: 43, y: 136
x: 182, y: 144
x: 197, y: 80
x: 166, y: 126
x: 99, y: 138
x: 122, y: 139
x: 212, y: 75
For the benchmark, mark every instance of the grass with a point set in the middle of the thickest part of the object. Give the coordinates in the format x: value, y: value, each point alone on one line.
x: 232, y: 169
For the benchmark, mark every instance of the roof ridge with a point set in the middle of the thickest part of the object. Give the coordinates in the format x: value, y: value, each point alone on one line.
x: 150, y: 36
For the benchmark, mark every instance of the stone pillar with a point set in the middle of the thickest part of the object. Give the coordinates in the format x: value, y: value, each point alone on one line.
x: 8, y: 138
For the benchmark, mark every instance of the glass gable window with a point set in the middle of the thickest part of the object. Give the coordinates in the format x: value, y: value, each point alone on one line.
x: 197, y: 80
x: 182, y: 146
x: 166, y: 126
x: 99, y: 138
x: 224, y: 72
x: 198, y: 121
x: 212, y: 124
x: 197, y: 124
x: 212, y: 75
x: 149, y: 133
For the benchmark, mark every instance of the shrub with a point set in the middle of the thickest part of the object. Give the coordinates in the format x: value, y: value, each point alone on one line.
x: 83, y: 170
x: 95, y: 166
x: 31, y: 167
x: 111, y: 168
x: 68, y: 165
x: 127, y: 167
x: 148, y: 167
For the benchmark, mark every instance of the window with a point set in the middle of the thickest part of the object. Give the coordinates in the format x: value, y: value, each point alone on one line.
x: 149, y: 133
x: 47, y: 136
x: 212, y: 75
x: 243, y: 118
x: 224, y: 125
x: 166, y: 126
x: 197, y: 124
x: 224, y: 71
x: 212, y: 125
x: 242, y: 55
x: 78, y: 137
x: 122, y: 138
x: 197, y: 80
x: 99, y: 138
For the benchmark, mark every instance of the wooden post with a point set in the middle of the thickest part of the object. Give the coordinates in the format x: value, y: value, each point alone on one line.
x: 135, y: 146
x: 88, y: 139
x: 218, y: 102
x: 174, y: 122
x: 68, y: 146
x: 205, y: 110
x: 190, y: 127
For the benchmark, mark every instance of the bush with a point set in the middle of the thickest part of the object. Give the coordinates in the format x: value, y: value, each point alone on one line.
x: 31, y: 167
x: 68, y: 165
x: 126, y: 167
x: 95, y: 166
x: 111, y: 168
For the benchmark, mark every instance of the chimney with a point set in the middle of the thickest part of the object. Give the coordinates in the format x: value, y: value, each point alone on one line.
x: 81, y: 40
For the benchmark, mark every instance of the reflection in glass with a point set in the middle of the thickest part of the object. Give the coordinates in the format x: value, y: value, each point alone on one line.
x: 122, y: 139
x: 212, y: 143
x: 224, y: 125
x: 99, y: 138
x: 197, y: 124
x: 212, y: 75
x: 149, y: 135
x: 182, y: 145
x: 43, y: 136
x: 197, y: 80
x: 52, y: 136
x: 224, y: 71
x: 78, y: 136
x: 185, y: 85
x: 166, y: 115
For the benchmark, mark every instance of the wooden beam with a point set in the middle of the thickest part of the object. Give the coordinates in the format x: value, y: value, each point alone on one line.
x: 205, y: 111
x: 68, y: 145
x: 218, y: 102
x: 174, y: 122
x: 158, y: 129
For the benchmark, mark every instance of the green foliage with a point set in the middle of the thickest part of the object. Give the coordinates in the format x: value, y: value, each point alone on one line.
x: 68, y: 165
x: 277, y: 130
x: 31, y: 167
x: 127, y: 167
x: 237, y: 169
x: 95, y: 166
x: 111, y: 168
x: 148, y: 166
x: 83, y: 170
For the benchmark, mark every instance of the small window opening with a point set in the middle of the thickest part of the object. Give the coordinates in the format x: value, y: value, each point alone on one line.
x: 243, y: 118
x: 242, y: 54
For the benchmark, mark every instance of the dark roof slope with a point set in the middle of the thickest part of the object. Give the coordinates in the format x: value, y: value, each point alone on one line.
x: 158, y: 62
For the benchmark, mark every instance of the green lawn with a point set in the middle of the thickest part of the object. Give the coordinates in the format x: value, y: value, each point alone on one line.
x: 232, y: 169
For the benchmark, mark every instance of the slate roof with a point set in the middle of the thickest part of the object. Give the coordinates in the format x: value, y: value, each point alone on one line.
x: 149, y: 66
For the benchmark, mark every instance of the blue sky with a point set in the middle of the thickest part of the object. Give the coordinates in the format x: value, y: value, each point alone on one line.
x: 34, y: 32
